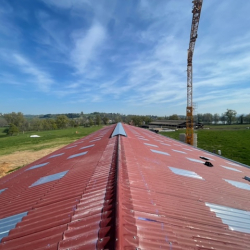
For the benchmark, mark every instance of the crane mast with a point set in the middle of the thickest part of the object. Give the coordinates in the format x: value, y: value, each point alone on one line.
x: 197, y: 4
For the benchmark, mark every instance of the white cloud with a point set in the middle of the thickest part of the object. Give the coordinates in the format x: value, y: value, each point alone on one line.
x: 35, y: 75
x: 87, y: 48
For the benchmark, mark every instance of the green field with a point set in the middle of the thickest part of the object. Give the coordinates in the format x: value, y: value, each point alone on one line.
x: 232, y: 140
x: 48, y: 139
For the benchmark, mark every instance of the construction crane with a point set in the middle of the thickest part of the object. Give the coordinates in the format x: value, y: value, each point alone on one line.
x: 197, y: 4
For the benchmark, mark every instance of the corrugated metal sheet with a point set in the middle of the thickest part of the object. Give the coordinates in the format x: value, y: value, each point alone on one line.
x: 122, y: 193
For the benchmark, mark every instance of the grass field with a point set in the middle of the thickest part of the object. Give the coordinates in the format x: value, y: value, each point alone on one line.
x: 48, y: 139
x: 232, y: 140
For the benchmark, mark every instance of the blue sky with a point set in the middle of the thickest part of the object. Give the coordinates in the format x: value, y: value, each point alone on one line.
x: 124, y: 57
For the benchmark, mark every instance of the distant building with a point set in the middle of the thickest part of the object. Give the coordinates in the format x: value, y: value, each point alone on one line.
x: 171, y: 124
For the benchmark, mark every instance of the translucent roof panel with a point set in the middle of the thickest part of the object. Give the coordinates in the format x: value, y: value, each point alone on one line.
x: 179, y: 151
x: 8, y: 223
x: 1, y: 190
x: 195, y: 160
x: 186, y: 173
x: 143, y: 139
x: 187, y: 149
x: 234, y: 169
x: 49, y: 178
x: 234, y: 164
x: 159, y: 152
x: 76, y: 155
x: 96, y: 140
x: 89, y: 146
x: 151, y: 145
x: 52, y: 156
x: 119, y: 130
x: 239, y: 184
x: 38, y: 166
x: 236, y: 219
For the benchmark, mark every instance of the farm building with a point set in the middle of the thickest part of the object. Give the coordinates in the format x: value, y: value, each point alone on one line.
x: 171, y: 124
x: 124, y: 187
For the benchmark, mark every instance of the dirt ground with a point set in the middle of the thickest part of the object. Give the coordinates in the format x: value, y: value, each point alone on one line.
x: 22, y: 158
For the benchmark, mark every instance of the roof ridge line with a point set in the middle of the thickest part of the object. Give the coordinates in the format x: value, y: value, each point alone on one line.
x: 119, y: 130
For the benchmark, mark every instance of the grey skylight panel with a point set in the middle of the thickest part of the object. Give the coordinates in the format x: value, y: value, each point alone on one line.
x: 2, y: 190
x: 71, y: 146
x: 187, y: 149
x: 89, y: 146
x: 159, y: 152
x: 186, y: 173
x: 95, y: 140
x: 52, y: 156
x: 49, y: 178
x: 37, y: 166
x: 76, y: 155
x: 195, y: 160
x: 234, y: 169
x: 239, y: 184
x: 234, y: 164
x: 152, y: 145
x: 119, y: 130
x: 178, y: 151
x: 8, y: 223
x: 236, y: 219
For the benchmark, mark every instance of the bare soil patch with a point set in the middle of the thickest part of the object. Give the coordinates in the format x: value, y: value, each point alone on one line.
x: 22, y: 158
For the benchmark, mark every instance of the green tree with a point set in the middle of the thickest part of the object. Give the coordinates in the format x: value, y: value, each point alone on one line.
x: 98, y: 120
x: 118, y: 118
x: 73, y: 123
x: 216, y: 118
x: 223, y: 118
x: 199, y: 118
x: 137, y: 120
x: 147, y: 119
x: 231, y: 115
x: 105, y: 120
x: 52, y: 124
x: 11, y: 130
x: 3, y: 122
x: 91, y: 122
x: 14, y: 118
x: 247, y: 118
x: 173, y: 117
x: 208, y: 118
x: 62, y: 121
x: 241, y: 119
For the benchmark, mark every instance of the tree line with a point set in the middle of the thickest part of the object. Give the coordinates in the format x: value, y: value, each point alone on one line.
x: 228, y: 117
x: 16, y: 122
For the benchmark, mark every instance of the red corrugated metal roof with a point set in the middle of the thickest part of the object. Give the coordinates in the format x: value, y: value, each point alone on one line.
x: 143, y: 191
